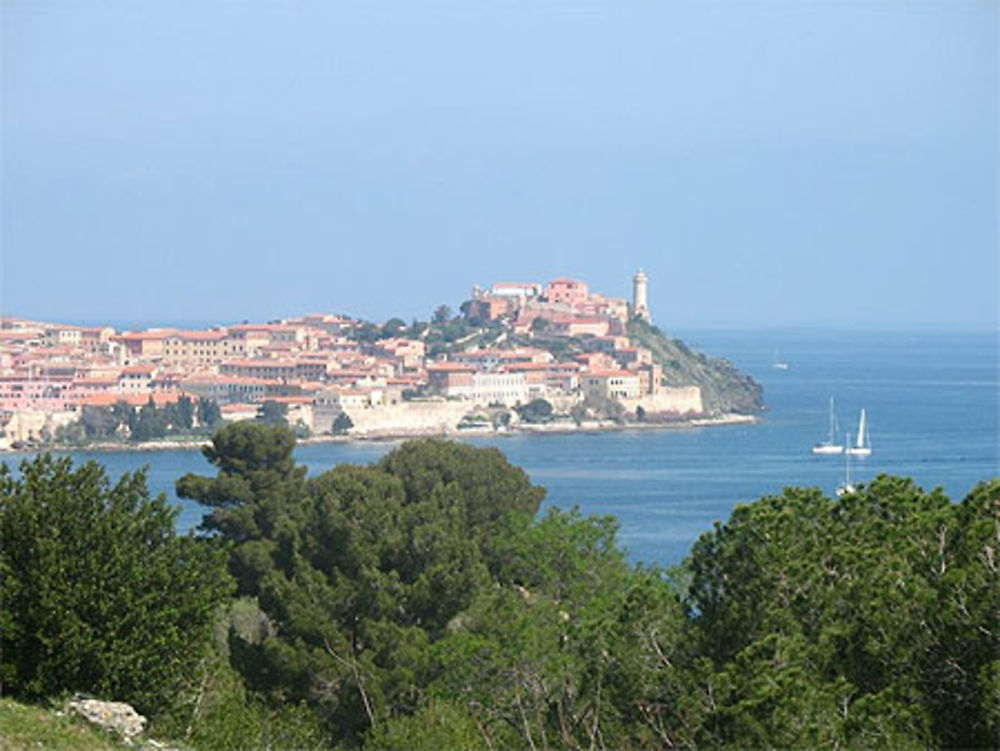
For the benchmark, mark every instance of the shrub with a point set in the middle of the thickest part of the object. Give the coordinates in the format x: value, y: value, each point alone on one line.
x: 100, y: 594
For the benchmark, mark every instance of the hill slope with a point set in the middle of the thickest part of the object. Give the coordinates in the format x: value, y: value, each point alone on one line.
x: 724, y: 388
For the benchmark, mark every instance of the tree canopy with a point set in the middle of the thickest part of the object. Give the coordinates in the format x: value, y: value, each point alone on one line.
x: 423, y: 602
x: 100, y: 594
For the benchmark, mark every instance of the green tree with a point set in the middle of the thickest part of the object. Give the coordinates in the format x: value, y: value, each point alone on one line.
x: 257, y: 490
x: 417, y: 329
x: 394, y: 327
x: 183, y: 413
x: 487, y: 485
x: 358, y: 569
x: 342, y: 424
x: 271, y: 412
x: 563, y: 651
x: 537, y: 410
x: 442, y: 314
x: 366, y: 332
x: 208, y: 413
x: 540, y: 325
x: 151, y: 424
x: 847, y: 622
x: 125, y: 415
x: 98, y: 422
x: 435, y: 726
x: 100, y: 594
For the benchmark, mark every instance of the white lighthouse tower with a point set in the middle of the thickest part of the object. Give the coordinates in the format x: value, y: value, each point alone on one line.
x: 640, y: 299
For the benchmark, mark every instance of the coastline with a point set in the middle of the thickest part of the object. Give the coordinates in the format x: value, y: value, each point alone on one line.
x: 561, y: 428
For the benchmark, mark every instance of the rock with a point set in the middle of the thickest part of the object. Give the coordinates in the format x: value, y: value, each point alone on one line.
x: 110, y: 715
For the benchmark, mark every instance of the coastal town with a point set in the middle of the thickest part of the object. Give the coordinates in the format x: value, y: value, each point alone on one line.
x: 515, y: 355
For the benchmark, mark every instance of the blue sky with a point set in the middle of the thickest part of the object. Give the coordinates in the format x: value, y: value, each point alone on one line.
x: 789, y: 163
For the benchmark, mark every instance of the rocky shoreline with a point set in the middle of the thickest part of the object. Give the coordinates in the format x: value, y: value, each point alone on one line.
x: 588, y: 426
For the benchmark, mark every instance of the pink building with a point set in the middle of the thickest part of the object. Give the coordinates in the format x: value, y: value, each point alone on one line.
x: 570, y: 291
x: 581, y: 326
x: 143, y: 344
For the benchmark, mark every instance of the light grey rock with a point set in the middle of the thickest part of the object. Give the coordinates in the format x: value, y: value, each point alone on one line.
x: 110, y: 715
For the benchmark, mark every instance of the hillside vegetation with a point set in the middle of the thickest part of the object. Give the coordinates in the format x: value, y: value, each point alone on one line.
x: 724, y: 388
x: 24, y: 727
x: 423, y: 603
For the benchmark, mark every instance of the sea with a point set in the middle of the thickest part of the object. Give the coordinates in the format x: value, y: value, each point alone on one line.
x: 932, y: 401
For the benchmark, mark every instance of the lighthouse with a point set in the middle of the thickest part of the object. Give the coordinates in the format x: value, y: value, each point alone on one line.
x: 640, y: 300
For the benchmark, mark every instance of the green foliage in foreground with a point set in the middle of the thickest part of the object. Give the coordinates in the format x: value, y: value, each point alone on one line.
x: 419, y: 604
x: 100, y: 594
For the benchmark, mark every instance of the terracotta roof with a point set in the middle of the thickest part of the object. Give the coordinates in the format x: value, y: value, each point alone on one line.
x: 158, y: 334
x: 238, y: 408
x: 203, y: 335
x: 449, y: 366
x: 105, y: 399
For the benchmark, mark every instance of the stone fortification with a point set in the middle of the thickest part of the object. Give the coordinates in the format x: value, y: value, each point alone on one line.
x: 416, y: 417
x: 683, y: 401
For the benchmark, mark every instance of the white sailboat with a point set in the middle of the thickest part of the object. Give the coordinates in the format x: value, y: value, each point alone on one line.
x: 778, y: 363
x: 862, y: 445
x: 847, y: 486
x: 830, y: 446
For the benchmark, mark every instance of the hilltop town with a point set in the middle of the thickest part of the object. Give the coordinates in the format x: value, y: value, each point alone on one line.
x: 516, y: 356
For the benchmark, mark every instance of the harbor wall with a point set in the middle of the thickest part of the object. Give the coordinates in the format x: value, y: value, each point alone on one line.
x: 683, y: 400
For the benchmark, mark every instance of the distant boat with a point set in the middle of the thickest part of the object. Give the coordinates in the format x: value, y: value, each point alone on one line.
x: 779, y: 364
x: 846, y: 486
x: 830, y: 446
x: 862, y: 445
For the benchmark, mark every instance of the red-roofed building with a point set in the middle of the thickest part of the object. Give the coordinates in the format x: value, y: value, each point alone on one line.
x: 613, y: 384
x: 570, y: 291
x: 195, y: 347
x: 143, y: 345
x: 136, y: 379
x: 581, y: 326
x: 107, y: 399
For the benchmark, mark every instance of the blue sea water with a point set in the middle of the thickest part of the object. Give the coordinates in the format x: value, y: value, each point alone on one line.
x: 933, y: 411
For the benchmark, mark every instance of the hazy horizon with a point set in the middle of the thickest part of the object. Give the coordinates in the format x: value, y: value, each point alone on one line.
x: 769, y: 165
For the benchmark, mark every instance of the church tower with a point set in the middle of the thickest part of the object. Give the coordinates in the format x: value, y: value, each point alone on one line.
x: 640, y: 300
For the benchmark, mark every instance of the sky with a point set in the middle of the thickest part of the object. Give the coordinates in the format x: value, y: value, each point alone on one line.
x: 767, y: 163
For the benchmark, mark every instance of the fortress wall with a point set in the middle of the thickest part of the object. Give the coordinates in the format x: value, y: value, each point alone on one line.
x: 415, y: 417
x: 684, y: 400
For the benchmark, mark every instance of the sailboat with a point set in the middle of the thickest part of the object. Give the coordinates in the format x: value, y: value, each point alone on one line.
x: 779, y: 364
x: 829, y: 447
x: 847, y: 486
x: 862, y: 446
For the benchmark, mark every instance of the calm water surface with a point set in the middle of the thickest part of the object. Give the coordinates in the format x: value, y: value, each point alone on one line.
x: 932, y: 402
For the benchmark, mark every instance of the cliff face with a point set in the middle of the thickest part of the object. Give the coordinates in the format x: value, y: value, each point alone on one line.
x: 723, y: 387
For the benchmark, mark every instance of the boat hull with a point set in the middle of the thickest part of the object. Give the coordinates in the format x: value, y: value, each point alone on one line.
x: 828, y: 449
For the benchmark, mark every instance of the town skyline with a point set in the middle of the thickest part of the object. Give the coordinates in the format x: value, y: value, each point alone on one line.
x: 580, y: 353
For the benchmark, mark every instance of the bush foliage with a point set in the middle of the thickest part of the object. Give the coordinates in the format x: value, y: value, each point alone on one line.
x: 421, y: 602
x: 100, y: 595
